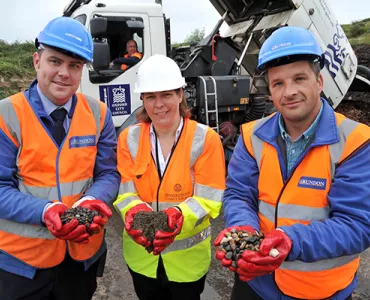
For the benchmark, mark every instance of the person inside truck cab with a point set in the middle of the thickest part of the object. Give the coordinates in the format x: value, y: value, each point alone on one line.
x: 174, y: 165
x: 131, y: 58
x: 302, y: 178
x: 57, y: 153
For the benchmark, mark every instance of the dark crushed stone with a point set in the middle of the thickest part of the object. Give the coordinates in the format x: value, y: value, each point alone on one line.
x: 149, y: 223
x: 84, y: 216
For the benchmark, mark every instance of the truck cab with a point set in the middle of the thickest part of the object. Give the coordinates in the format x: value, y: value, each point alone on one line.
x: 113, y: 24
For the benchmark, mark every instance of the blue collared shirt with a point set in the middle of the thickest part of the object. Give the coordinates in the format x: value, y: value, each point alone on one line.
x: 49, y: 107
x: 294, y: 149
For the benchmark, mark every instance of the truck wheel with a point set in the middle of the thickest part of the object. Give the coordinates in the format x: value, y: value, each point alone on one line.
x: 363, y: 71
x: 359, y: 85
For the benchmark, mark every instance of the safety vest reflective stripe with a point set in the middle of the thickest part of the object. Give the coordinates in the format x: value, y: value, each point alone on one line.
x: 294, y: 212
x: 345, y: 128
x: 162, y: 205
x: 95, y: 108
x: 121, y: 205
x: 25, y: 230
x: 257, y: 143
x: 208, y: 192
x: 195, y: 207
x: 127, y: 187
x: 188, y: 242
x: 202, y: 191
x: 197, y: 146
x: 321, y: 265
x: 133, y: 137
x: 51, y: 193
x: 10, y: 118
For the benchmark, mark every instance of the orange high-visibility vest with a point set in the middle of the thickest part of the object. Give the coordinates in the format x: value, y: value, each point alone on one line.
x: 45, y: 173
x: 136, y: 54
x: 315, y: 280
x: 194, y: 180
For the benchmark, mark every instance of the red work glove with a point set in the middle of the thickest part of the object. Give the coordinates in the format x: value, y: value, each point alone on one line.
x: 129, y: 218
x: 220, y: 255
x: 70, y: 231
x: 100, y: 207
x: 162, y: 239
x: 253, y: 263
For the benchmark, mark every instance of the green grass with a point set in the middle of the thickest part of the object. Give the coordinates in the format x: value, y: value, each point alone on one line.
x: 16, y: 59
x: 15, y: 62
x: 358, y: 32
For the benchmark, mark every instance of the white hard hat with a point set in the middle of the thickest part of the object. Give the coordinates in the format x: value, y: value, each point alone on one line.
x: 158, y: 73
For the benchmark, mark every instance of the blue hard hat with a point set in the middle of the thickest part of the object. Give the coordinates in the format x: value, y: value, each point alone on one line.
x: 295, y: 43
x: 68, y: 35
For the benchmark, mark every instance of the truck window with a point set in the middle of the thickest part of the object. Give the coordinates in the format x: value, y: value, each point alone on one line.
x: 121, y: 34
x: 81, y: 19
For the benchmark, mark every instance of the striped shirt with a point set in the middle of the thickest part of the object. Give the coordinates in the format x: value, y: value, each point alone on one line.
x: 294, y: 149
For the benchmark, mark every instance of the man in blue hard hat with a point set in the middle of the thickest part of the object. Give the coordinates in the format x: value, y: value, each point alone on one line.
x: 58, y: 153
x: 301, y: 177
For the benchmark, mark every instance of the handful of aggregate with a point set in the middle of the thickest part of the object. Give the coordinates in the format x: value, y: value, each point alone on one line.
x: 236, y: 242
x: 149, y: 222
x: 84, y: 216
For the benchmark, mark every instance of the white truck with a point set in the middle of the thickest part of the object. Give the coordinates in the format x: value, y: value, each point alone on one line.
x: 222, y: 82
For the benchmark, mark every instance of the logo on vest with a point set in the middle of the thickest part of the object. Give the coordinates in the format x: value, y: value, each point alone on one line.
x: 177, y: 187
x: 82, y: 141
x: 312, y: 183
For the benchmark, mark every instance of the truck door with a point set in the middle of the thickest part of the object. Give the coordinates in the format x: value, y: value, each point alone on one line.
x: 114, y: 85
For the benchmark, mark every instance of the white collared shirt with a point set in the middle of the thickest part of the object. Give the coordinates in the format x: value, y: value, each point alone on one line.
x: 162, y: 162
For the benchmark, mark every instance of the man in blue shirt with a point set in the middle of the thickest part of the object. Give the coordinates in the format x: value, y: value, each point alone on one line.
x: 58, y: 151
x: 301, y: 177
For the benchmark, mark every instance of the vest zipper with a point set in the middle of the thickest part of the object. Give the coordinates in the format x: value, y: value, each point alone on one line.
x: 287, y: 181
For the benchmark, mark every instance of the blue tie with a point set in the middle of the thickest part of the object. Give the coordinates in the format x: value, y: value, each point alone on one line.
x: 59, y: 132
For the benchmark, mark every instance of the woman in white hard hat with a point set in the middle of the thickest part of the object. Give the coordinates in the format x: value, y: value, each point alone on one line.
x: 172, y: 164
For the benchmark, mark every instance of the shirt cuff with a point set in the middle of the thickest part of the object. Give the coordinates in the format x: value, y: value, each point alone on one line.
x: 84, y: 198
x: 43, y: 212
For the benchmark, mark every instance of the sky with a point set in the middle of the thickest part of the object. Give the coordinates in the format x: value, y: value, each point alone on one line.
x: 22, y: 20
